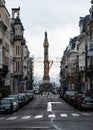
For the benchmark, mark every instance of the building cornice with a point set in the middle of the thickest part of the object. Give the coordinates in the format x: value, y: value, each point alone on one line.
x: 5, y: 9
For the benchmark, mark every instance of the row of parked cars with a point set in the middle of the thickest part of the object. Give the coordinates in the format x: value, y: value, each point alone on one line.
x: 14, y: 102
x: 79, y: 101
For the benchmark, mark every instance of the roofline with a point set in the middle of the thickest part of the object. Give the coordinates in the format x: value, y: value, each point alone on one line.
x: 5, y: 9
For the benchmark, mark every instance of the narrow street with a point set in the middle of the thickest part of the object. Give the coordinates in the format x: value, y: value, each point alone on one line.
x: 47, y: 112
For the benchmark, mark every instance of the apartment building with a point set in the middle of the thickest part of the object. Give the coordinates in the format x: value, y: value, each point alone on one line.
x: 4, y: 47
x: 18, y: 43
x: 69, y: 65
x: 85, y: 55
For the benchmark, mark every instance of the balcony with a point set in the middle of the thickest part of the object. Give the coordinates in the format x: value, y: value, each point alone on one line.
x: 17, y: 38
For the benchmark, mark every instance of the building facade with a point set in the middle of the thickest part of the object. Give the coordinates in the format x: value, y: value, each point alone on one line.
x: 85, y: 56
x: 4, y: 48
x: 16, y: 66
x: 18, y: 47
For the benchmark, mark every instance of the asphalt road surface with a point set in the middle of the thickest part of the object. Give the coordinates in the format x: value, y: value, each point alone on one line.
x: 47, y: 113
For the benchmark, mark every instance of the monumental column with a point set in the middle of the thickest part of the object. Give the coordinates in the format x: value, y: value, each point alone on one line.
x: 46, y: 78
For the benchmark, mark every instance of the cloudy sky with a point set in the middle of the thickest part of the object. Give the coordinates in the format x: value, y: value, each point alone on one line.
x: 59, y: 18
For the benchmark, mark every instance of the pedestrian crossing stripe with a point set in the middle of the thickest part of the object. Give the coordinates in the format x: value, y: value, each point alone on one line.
x: 38, y: 116
x: 86, y: 114
x: 51, y: 115
x: 75, y: 114
x: 25, y: 117
x: 12, y: 118
x: 63, y: 115
x: 2, y: 118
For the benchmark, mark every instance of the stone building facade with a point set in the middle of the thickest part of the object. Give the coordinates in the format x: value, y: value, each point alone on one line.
x: 16, y: 72
x: 4, y: 47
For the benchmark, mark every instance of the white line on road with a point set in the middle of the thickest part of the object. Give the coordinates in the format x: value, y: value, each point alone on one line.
x: 75, y: 114
x: 63, y: 115
x: 25, y: 117
x: 2, y: 118
x: 12, y: 118
x: 49, y: 105
x: 38, y: 116
x: 51, y: 115
x: 86, y: 114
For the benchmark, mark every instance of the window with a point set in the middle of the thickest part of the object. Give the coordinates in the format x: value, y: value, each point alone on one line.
x: 17, y: 66
x: 7, y: 47
x: 17, y: 50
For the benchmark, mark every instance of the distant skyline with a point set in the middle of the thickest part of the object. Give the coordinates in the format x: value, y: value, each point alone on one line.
x: 60, y: 18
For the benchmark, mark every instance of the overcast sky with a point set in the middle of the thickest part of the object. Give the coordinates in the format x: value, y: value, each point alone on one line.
x: 59, y: 18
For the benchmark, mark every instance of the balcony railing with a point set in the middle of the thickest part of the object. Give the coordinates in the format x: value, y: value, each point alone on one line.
x: 18, y: 37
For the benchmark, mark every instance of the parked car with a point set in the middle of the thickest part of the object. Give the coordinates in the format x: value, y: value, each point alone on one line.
x: 36, y: 91
x: 15, y: 103
x: 67, y: 95
x: 26, y: 98
x: 6, y: 106
x: 71, y: 98
x: 85, y: 102
x: 54, y: 91
x: 76, y: 99
x: 30, y: 93
x: 21, y: 100
x: 61, y: 92
x: 16, y: 98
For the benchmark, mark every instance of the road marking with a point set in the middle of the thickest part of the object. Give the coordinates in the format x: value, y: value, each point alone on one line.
x: 12, y: 118
x: 2, y: 118
x: 38, y: 116
x: 63, y: 115
x: 51, y: 115
x: 25, y: 117
x: 38, y: 127
x: 49, y: 105
x: 75, y: 114
x: 85, y: 114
